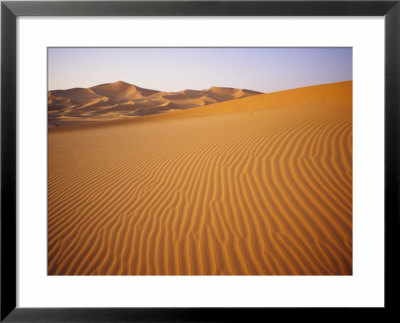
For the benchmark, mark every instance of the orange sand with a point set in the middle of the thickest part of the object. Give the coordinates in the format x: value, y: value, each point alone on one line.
x: 253, y: 186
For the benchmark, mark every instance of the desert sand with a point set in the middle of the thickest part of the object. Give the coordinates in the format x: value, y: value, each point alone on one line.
x: 113, y: 101
x: 260, y: 185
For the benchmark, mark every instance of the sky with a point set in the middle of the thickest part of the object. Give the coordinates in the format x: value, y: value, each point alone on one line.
x: 175, y: 69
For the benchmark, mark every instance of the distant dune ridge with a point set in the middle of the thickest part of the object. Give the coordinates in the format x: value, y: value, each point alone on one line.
x: 260, y: 185
x: 120, y: 99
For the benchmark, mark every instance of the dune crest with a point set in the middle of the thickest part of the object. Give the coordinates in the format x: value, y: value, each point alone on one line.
x: 120, y: 99
x: 260, y: 185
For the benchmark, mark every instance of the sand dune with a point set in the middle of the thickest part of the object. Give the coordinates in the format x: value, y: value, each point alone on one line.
x: 117, y: 100
x: 260, y: 185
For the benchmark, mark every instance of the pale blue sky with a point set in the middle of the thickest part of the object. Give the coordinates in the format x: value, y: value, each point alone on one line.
x: 176, y: 69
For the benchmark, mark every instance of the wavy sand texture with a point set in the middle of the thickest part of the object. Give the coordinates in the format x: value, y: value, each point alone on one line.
x: 254, y: 186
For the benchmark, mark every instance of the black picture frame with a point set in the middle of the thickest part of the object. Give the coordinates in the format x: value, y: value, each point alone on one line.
x: 11, y: 10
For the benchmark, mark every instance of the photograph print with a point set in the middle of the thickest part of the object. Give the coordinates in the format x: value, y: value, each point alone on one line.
x: 200, y: 161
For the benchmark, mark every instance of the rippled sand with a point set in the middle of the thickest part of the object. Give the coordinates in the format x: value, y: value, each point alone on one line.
x: 254, y: 186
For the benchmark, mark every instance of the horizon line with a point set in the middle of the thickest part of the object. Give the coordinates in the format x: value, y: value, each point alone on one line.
x: 187, y: 89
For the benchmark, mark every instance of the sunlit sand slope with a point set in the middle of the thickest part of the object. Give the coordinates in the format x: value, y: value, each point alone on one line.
x: 254, y: 186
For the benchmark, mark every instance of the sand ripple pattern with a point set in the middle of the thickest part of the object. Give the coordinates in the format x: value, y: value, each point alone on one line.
x: 262, y: 188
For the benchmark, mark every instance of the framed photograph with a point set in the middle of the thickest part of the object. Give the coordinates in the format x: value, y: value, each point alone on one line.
x: 199, y: 160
